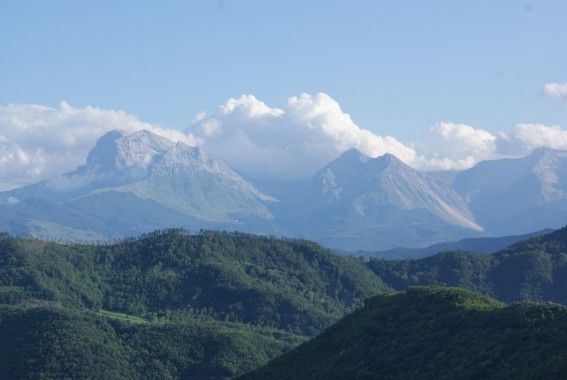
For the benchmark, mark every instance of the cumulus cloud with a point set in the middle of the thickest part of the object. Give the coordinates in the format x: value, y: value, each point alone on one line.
x: 295, y: 141
x: 39, y: 142
x: 311, y: 130
x: 526, y: 137
x: 451, y: 146
x: 556, y: 90
x: 288, y: 143
x: 263, y: 142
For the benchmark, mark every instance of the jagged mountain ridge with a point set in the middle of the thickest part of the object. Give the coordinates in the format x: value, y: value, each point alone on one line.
x: 186, y: 178
x: 514, y: 196
x: 386, y: 180
x: 380, y: 199
x: 134, y: 183
x: 117, y: 158
x: 139, y: 182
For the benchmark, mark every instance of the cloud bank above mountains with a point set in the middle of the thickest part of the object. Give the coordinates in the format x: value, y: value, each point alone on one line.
x: 311, y: 130
x: 287, y: 143
x: 39, y: 142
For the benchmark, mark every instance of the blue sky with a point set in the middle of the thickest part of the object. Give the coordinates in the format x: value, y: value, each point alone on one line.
x: 398, y: 68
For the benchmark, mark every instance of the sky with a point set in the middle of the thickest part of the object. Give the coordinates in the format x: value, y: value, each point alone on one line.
x: 279, y: 88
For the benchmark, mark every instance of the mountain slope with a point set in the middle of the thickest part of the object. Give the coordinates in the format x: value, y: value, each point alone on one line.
x: 167, y: 305
x: 135, y: 183
x: 515, y: 196
x: 47, y: 341
x: 432, y: 333
x: 295, y: 285
x: 357, y: 201
x: 184, y: 178
x: 118, y: 158
x: 535, y: 269
x: 213, y: 305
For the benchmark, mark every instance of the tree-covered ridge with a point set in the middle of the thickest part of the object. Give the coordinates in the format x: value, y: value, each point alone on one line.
x: 278, y: 283
x: 433, y: 333
x: 535, y: 269
x: 205, y: 306
x: 295, y: 285
x: 213, y: 305
x: 47, y: 341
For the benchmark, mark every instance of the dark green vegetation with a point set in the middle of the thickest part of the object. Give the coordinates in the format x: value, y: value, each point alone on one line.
x: 433, y: 333
x: 216, y: 305
x: 535, y: 269
x: 42, y: 340
x: 167, y: 305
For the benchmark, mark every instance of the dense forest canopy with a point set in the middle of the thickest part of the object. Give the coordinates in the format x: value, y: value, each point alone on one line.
x: 535, y: 269
x: 214, y: 305
x: 432, y: 333
x: 168, y: 304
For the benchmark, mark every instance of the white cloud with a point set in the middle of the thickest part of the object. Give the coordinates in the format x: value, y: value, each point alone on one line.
x: 526, y: 137
x: 453, y: 146
x: 459, y: 146
x: 39, y: 142
x: 556, y: 90
x: 289, y: 143
x: 292, y: 142
x: 311, y: 130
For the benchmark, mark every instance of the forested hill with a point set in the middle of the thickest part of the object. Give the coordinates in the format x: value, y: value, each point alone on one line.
x: 535, y: 269
x: 295, y: 285
x: 208, y: 306
x: 433, y: 333
x: 48, y: 341
x: 214, y: 305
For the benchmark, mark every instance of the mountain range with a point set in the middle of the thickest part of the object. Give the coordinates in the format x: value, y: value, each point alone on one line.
x: 133, y: 183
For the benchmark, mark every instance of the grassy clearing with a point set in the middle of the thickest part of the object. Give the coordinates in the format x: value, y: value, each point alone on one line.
x: 122, y: 316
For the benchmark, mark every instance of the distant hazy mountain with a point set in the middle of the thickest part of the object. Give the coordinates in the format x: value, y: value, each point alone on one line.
x: 479, y: 245
x: 358, y: 201
x: 139, y: 182
x: 118, y: 158
x: 133, y: 183
x: 515, y: 196
x: 184, y: 178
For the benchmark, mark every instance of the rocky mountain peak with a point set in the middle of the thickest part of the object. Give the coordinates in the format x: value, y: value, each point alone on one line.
x: 119, y: 150
x: 188, y: 158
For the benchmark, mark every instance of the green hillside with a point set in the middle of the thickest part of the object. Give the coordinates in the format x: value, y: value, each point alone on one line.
x: 42, y: 340
x: 214, y: 305
x: 167, y: 305
x: 535, y: 269
x: 433, y: 333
